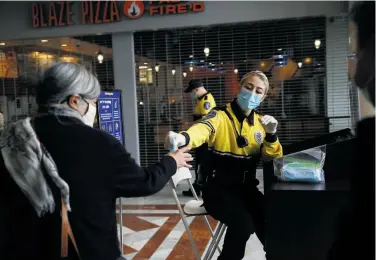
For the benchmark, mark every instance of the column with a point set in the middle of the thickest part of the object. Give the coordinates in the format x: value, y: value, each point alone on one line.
x: 337, y: 79
x: 125, y: 80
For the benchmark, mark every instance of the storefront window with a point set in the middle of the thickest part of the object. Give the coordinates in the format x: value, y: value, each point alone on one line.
x: 145, y: 75
x: 22, y: 61
x: 8, y: 64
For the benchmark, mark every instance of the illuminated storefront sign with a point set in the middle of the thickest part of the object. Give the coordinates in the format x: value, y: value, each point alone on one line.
x: 58, y: 14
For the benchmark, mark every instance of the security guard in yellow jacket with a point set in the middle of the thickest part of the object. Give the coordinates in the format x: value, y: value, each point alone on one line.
x: 205, y: 103
x: 238, y: 137
x: 205, y: 100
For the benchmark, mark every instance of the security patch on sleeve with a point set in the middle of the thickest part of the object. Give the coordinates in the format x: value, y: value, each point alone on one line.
x: 207, y: 105
x: 210, y: 115
x: 258, y: 137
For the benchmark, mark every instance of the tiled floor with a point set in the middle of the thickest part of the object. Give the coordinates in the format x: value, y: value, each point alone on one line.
x: 153, y: 229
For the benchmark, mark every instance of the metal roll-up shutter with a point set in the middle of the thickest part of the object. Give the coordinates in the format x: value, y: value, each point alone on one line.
x: 23, y: 60
x: 341, y: 96
x: 309, y: 95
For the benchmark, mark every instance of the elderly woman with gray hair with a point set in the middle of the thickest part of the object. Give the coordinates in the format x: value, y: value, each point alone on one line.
x: 57, y: 160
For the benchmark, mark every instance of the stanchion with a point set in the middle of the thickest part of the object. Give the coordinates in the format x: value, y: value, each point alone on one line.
x: 120, y: 202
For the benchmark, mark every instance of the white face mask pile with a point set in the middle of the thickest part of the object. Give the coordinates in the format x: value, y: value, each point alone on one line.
x: 89, y: 117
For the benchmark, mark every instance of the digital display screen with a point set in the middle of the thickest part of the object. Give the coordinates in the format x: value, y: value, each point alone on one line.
x: 109, y: 114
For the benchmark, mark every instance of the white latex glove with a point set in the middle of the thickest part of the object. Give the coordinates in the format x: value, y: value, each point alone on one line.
x: 269, y: 123
x: 174, y: 141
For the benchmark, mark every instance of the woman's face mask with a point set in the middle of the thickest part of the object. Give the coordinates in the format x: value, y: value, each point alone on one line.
x: 249, y: 100
x: 89, y: 117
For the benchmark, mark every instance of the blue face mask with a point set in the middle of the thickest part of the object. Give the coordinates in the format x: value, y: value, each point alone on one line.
x: 193, y: 96
x: 248, y: 100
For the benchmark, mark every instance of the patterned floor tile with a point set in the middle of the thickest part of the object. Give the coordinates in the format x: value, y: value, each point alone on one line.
x: 159, y: 221
x: 153, y: 230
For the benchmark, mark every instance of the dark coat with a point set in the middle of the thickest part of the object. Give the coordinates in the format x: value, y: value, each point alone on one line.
x: 98, y: 169
x: 357, y: 225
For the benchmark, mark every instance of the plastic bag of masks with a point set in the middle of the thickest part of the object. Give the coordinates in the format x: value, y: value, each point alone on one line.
x: 304, y: 166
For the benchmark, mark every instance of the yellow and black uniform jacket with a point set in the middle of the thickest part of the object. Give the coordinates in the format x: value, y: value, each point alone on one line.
x: 204, y: 105
x: 227, y: 160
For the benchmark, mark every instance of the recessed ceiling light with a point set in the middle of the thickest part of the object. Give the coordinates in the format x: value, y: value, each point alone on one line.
x: 2, y: 43
x: 64, y: 45
x: 44, y: 40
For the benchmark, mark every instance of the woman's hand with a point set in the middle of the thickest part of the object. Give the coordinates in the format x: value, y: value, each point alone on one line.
x: 182, y: 157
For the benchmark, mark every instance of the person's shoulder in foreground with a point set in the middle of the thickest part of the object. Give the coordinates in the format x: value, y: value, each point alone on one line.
x: 357, y: 231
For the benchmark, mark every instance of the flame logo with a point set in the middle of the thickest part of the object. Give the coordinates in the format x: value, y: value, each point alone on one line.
x: 134, y: 9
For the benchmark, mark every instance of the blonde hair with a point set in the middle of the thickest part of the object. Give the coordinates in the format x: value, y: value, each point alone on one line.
x: 258, y: 74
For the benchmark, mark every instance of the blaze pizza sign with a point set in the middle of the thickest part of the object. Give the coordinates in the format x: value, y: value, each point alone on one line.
x: 58, y: 14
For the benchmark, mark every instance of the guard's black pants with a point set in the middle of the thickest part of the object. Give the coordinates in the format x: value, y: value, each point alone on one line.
x: 241, y: 209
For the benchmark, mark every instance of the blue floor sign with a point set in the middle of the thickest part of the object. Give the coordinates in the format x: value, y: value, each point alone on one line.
x: 109, y: 113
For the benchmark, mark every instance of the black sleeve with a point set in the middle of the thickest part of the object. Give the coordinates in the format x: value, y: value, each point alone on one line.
x: 271, y: 138
x: 131, y: 180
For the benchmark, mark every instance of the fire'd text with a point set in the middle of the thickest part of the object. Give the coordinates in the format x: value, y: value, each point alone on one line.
x: 171, y: 8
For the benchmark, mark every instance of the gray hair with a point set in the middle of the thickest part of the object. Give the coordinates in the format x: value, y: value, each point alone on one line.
x: 62, y: 80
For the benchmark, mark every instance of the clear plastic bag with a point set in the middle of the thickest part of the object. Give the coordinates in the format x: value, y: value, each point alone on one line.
x: 303, y: 166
